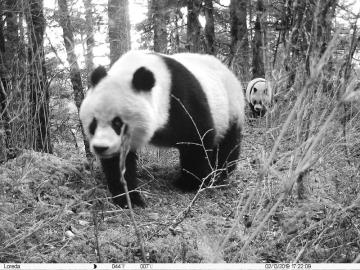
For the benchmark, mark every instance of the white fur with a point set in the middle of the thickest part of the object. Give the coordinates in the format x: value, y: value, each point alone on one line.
x: 263, y: 91
x: 222, y: 89
x: 146, y: 112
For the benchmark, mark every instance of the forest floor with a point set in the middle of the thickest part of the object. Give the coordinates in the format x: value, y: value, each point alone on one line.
x: 55, y: 209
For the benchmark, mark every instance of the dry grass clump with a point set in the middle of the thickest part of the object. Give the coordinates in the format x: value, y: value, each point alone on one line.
x: 39, y: 194
x: 318, y: 220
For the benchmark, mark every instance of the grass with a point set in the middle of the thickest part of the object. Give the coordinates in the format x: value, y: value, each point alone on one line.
x: 293, y: 198
x: 44, y: 197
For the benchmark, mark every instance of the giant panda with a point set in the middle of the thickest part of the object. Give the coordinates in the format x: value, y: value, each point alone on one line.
x: 188, y: 101
x: 258, y: 95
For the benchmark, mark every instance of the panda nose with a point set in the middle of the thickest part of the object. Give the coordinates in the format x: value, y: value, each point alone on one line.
x: 257, y: 108
x: 100, y: 149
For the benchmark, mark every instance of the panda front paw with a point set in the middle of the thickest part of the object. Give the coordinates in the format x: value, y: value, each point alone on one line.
x: 135, y: 197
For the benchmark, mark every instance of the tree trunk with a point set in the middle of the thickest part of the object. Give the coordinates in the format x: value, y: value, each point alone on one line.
x: 239, y: 35
x: 327, y: 14
x: 177, y: 34
x: 258, y: 59
x: 5, y: 117
x: 38, y: 88
x: 119, y: 28
x: 160, y: 17
x: 209, y: 27
x: 90, y: 42
x: 7, y: 56
x: 75, y: 75
x: 193, y: 25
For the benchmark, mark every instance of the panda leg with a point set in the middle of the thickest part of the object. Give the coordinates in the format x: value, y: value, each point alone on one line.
x: 194, y: 167
x: 112, y: 173
x: 228, y: 151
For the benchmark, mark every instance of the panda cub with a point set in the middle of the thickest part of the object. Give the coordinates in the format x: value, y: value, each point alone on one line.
x: 258, y: 96
x: 189, y: 101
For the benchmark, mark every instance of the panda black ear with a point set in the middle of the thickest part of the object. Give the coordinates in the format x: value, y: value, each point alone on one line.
x: 97, y: 75
x: 143, y: 79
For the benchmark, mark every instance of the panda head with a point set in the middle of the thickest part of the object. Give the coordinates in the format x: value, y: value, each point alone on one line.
x: 258, y: 96
x: 122, y: 96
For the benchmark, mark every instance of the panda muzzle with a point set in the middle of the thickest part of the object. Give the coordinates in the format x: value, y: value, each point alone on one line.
x: 258, y: 107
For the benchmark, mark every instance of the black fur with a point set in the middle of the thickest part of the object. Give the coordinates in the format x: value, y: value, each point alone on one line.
x: 257, y: 113
x: 112, y: 173
x: 93, y: 126
x: 143, y: 79
x: 97, y: 75
x: 184, y: 129
x: 117, y: 124
x: 228, y: 151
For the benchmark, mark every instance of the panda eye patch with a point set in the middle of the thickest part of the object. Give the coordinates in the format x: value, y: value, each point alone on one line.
x: 117, y: 124
x: 93, y: 126
x: 255, y: 90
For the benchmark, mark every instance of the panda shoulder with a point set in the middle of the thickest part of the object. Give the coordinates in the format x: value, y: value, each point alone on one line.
x: 127, y: 65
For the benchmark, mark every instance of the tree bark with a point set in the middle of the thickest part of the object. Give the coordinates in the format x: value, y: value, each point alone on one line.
x: 239, y: 48
x: 193, y: 25
x: 258, y: 54
x: 160, y: 17
x: 90, y: 42
x: 38, y: 88
x: 119, y: 28
x: 177, y: 34
x: 75, y: 76
x: 7, y: 56
x: 209, y: 27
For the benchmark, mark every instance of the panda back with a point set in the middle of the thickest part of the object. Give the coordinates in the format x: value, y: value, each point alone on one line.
x: 222, y: 89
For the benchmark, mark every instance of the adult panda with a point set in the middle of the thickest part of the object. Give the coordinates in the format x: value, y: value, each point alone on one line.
x: 258, y: 95
x: 188, y: 101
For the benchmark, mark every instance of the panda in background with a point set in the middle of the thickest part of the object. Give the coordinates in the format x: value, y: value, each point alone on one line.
x: 258, y: 96
x: 189, y: 101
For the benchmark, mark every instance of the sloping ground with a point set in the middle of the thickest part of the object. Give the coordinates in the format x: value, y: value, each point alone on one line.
x: 56, y: 210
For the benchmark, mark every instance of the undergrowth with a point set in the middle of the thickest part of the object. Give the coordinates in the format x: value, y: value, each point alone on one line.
x: 293, y: 198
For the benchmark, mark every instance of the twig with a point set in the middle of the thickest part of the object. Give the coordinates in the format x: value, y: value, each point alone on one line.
x: 183, y: 214
x: 181, y: 217
x: 124, y: 150
x: 357, y: 259
x: 96, y: 233
x: 259, y: 227
x: 239, y: 216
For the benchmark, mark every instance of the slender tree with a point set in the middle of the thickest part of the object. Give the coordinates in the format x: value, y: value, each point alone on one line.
x: 209, y: 27
x: 38, y: 87
x: 160, y: 17
x: 90, y: 41
x: 119, y: 28
x: 177, y: 16
x: 239, y: 47
x: 257, y: 43
x: 75, y: 76
x: 193, y: 25
x: 7, y: 54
